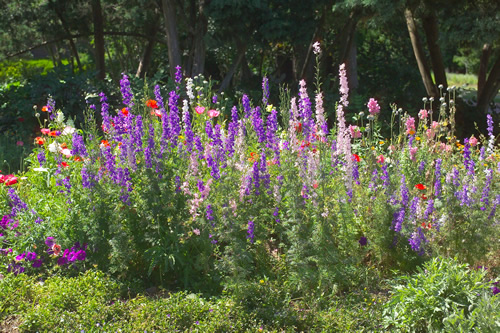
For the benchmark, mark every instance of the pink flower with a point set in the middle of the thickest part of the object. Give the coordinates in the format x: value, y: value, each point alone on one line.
x: 196, y: 232
x: 473, y: 141
x: 434, y: 125
x: 213, y: 113
x: 66, y: 152
x: 413, y: 153
x: 430, y: 134
x: 423, y: 114
x: 20, y: 143
x: 444, y: 147
x: 410, y: 125
x: 373, y: 106
x: 380, y: 159
x: 355, y: 131
x: 199, y: 109
x: 45, y: 131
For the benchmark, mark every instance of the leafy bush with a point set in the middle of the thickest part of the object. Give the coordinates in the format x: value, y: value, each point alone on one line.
x: 442, y: 292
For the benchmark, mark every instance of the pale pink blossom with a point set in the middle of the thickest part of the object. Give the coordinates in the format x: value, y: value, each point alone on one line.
x: 196, y: 232
x: 434, y: 125
x: 430, y: 134
x: 373, y: 107
x: 423, y: 114
x: 213, y: 113
x: 355, y: 131
x: 45, y: 131
x: 473, y: 141
x: 413, y: 153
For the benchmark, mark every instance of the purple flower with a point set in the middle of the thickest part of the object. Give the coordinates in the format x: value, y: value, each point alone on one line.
x: 258, y: 125
x: 404, y: 191
x: 251, y: 231
x: 49, y: 241
x: 78, y: 145
x: 437, y: 183
x: 209, y: 213
x: 17, y: 205
x: 126, y: 91
x: 416, y: 241
x: 265, y: 90
x: 397, y: 220
x: 174, y: 120
x: 214, y: 99
x: 178, y: 74
x: 421, y: 167
x: 363, y: 241
x: 245, y: 101
x: 41, y: 157
x: 37, y: 263
x: 486, y: 189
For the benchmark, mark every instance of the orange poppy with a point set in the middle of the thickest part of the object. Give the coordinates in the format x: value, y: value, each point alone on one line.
x: 45, y: 108
x: 125, y: 112
x: 39, y: 140
x: 152, y: 103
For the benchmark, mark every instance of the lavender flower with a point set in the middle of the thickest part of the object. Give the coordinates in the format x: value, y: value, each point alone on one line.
x: 416, y: 241
x: 258, y: 125
x: 265, y: 90
x: 246, y: 105
x: 486, y: 190
x: 437, y: 174
x: 209, y: 213
x: 397, y: 220
x: 16, y: 204
x: 175, y: 125
x: 178, y: 74
x: 126, y: 91
x: 403, y: 190
x: 41, y: 157
x: 251, y: 231
x: 78, y: 145
x: 421, y: 167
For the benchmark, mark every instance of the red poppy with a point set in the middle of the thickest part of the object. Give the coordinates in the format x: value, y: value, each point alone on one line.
x: 10, y: 180
x: 298, y: 128
x: 125, y: 112
x: 156, y: 113
x: 45, y: 108
x: 78, y: 159
x: 356, y: 157
x: 105, y: 143
x: 64, y: 164
x: 2, y: 179
x: 39, y: 140
x: 52, y: 133
x: 424, y: 197
x: 420, y: 187
x: 152, y: 103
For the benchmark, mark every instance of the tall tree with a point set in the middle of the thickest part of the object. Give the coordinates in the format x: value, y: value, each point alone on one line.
x: 174, y: 51
x: 99, y: 39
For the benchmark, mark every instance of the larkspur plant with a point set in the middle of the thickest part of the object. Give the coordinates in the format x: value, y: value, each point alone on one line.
x: 169, y: 189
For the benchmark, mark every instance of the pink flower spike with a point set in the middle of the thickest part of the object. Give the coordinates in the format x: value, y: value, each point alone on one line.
x: 213, y: 113
x: 199, y: 109
x: 373, y: 106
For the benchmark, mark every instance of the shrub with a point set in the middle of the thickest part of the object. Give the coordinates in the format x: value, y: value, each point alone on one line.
x: 441, y: 292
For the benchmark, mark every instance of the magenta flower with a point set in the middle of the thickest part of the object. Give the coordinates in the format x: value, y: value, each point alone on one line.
x: 373, y: 107
x: 213, y: 113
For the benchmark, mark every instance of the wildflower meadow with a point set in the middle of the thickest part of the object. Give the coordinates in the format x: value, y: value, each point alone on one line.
x: 252, y: 216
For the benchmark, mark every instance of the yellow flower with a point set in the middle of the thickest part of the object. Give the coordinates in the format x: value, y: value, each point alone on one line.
x: 261, y: 281
x: 373, y: 148
x: 381, y: 143
x: 417, y: 138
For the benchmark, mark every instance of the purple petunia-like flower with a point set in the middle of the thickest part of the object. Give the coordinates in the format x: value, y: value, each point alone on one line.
x: 363, y: 241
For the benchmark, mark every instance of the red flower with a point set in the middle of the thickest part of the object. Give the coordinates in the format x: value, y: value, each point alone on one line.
x: 420, y: 187
x: 105, y: 143
x: 45, y: 108
x: 2, y: 179
x: 52, y: 133
x: 125, y: 112
x: 39, y: 140
x: 152, y: 103
x: 10, y: 180
x: 78, y: 159
x: 298, y: 128
x: 356, y: 157
x: 64, y: 164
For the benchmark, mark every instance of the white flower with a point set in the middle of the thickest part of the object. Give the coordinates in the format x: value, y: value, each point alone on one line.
x: 316, y: 48
x: 68, y: 130
x: 40, y: 169
x: 60, y: 117
x: 54, y: 147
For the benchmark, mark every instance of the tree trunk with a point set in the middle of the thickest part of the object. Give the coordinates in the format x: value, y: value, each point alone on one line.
x: 419, y: 55
x: 352, y: 67
x: 198, y: 41
x: 148, y: 51
x: 432, y: 35
x: 174, y: 52
x: 241, y: 47
x: 483, y: 68
x: 490, y: 88
x: 99, y: 39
